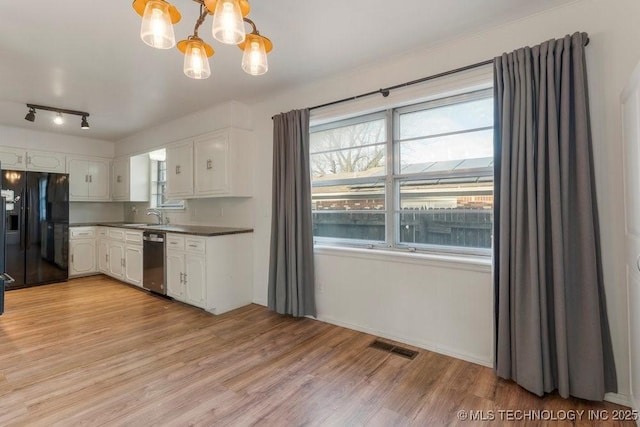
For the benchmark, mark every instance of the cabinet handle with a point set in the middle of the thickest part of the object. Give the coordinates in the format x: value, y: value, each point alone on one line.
x: 193, y: 246
x: 71, y: 258
x: 181, y: 280
x: 28, y: 160
x: 185, y: 278
x: 19, y: 159
x: 209, y: 164
x: 119, y: 179
x: 90, y: 178
x: 177, y: 169
x: 173, y: 243
x: 124, y: 262
x: 107, y: 258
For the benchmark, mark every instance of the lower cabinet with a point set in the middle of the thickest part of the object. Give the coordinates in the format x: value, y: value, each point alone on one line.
x: 186, y: 272
x: 210, y: 272
x: 82, y: 251
x: 133, y: 264
x: 120, y: 254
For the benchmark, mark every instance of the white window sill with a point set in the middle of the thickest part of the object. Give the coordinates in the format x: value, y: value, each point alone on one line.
x: 471, y: 263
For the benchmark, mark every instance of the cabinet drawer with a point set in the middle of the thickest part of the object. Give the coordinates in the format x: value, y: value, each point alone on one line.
x: 195, y: 244
x: 83, y: 233
x: 116, y: 234
x: 175, y: 242
x: 134, y: 237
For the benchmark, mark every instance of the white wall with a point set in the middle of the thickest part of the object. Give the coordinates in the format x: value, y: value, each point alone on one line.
x: 49, y: 141
x: 442, y: 306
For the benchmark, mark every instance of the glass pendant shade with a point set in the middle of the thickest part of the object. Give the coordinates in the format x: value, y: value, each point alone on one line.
x: 196, y: 61
x: 254, y: 59
x: 157, y: 29
x: 228, y: 26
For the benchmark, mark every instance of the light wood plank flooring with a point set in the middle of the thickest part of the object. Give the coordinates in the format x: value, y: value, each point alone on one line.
x: 96, y: 352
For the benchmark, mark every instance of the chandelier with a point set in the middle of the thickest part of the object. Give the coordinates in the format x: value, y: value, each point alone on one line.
x: 229, y: 18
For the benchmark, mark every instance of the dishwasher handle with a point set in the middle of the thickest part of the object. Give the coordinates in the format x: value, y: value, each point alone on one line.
x: 159, y: 239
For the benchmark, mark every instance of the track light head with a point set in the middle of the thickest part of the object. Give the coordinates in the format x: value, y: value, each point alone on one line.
x: 31, y: 115
x: 58, y: 119
x: 85, y: 123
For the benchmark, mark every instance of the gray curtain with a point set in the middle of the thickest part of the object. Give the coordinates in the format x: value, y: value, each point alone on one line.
x: 552, y: 331
x: 291, y: 269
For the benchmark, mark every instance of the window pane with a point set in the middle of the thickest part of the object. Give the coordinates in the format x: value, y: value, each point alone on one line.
x: 456, y: 212
x: 423, y: 155
x: 355, y: 135
x: 348, y: 197
x: 449, y: 118
x: 349, y: 212
x: 352, y: 163
x: 367, y: 226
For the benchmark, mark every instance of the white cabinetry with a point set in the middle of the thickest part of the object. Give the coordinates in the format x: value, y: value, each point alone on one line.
x: 82, y: 251
x: 133, y: 257
x: 130, y: 179
x: 180, y: 170
x: 186, y: 269
x: 210, y: 272
x: 218, y: 164
x: 120, y: 254
x: 42, y: 161
x: 88, y: 179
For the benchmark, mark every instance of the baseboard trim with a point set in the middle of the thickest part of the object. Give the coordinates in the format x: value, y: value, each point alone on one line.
x: 620, y: 399
x: 436, y: 348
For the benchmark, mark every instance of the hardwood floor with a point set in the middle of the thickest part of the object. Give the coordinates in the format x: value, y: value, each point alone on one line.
x: 96, y: 352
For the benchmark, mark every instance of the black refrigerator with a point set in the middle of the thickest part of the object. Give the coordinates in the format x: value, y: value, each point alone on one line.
x: 36, y: 227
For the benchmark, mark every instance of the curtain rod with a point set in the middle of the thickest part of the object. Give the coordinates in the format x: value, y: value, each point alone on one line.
x: 385, y: 91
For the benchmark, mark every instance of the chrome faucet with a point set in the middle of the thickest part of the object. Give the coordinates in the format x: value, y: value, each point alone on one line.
x: 157, y: 214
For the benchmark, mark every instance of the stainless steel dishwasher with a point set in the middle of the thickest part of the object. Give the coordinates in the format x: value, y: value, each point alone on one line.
x: 153, y: 271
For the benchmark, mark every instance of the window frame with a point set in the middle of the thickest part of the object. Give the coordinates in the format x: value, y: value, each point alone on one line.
x: 393, y: 179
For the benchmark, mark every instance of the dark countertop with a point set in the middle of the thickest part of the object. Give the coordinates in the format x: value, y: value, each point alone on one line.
x: 198, y: 230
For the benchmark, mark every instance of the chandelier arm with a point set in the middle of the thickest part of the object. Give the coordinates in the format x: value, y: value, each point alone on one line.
x: 250, y: 22
x: 203, y: 14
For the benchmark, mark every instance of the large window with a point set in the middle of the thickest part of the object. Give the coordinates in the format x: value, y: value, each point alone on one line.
x: 418, y: 177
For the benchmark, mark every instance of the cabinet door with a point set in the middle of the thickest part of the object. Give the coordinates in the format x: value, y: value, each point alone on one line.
x: 180, y: 170
x: 196, y: 280
x: 133, y: 265
x: 103, y: 256
x: 12, y: 158
x: 116, y: 260
x: 175, y: 275
x: 46, y: 162
x: 211, y: 162
x: 78, y: 179
x: 120, y: 179
x: 98, y: 179
x: 83, y: 257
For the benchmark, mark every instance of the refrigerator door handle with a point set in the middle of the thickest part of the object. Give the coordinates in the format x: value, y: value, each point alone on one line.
x: 7, y: 278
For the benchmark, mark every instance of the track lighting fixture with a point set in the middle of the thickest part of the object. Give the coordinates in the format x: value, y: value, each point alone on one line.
x: 229, y: 18
x: 58, y: 119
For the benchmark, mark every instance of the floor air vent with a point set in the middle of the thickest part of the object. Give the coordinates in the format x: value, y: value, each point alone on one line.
x: 400, y: 351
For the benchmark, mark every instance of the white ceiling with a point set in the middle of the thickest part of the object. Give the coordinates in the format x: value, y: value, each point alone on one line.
x: 87, y: 55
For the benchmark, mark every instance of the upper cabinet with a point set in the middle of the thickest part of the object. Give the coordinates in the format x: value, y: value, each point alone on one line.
x: 218, y: 164
x: 41, y: 161
x: 88, y: 179
x: 180, y: 170
x: 130, y: 179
